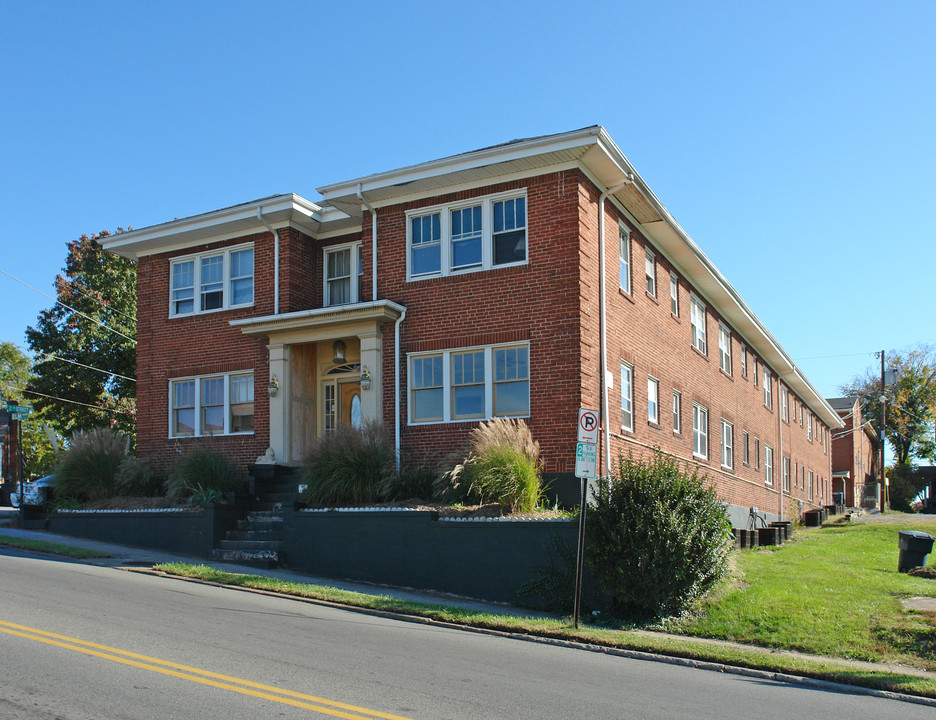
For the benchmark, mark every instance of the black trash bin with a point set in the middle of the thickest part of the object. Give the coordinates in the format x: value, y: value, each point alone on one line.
x: 914, y: 547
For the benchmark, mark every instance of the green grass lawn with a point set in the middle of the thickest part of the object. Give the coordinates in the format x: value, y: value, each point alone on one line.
x: 833, y: 591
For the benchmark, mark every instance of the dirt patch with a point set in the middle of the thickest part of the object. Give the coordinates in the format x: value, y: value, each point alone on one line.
x: 131, y: 503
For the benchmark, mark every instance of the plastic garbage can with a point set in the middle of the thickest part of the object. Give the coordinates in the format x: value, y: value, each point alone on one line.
x: 914, y: 547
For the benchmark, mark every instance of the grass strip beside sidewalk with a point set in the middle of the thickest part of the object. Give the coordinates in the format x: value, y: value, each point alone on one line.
x: 49, y: 547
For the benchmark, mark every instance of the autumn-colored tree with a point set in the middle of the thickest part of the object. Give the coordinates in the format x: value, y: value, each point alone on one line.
x: 910, y: 404
x: 84, y: 346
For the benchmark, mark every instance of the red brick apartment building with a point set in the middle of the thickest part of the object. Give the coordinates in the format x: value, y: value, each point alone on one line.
x: 523, y: 280
x: 855, y: 453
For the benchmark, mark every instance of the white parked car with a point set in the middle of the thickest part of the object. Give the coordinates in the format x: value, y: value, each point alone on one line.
x: 35, y: 492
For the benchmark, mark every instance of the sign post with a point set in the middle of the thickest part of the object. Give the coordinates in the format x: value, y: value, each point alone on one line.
x: 586, y: 466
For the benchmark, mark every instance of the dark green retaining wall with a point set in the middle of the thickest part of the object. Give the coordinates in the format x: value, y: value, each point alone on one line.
x: 413, y: 548
x: 187, y: 532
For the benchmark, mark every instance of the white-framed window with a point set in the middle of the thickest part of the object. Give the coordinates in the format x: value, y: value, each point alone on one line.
x: 699, y: 430
x: 469, y: 383
x: 754, y: 369
x: 784, y: 404
x: 743, y: 361
x: 627, y: 397
x: 809, y: 426
x: 650, y: 271
x: 785, y: 473
x: 756, y: 454
x: 768, y: 389
x: 697, y: 319
x: 809, y: 491
x: 768, y: 464
x: 724, y: 348
x: 220, y: 404
x: 477, y: 234
x: 727, y: 444
x: 624, y: 258
x: 216, y: 280
x: 677, y: 412
x: 674, y: 294
x: 653, y: 400
x: 747, y: 447
x: 344, y: 274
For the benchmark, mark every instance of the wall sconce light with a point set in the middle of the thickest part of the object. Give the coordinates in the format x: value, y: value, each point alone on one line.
x: 339, y: 349
x: 365, y: 378
x: 273, y: 387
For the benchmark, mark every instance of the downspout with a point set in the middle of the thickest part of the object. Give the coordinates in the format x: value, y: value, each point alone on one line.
x: 396, y: 385
x: 780, y: 435
x: 602, y: 311
x: 276, y: 259
x: 373, y: 242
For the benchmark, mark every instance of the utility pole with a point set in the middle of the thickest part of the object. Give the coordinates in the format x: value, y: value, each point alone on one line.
x: 884, y: 493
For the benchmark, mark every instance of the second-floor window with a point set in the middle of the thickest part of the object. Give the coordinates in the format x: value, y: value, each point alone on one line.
x: 479, y: 234
x: 697, y: 318
x: 724, y: 348
x: 344, y: 274
x: 650, y: 271
x: 211, y: 281
x: 653, y: 400
x: 624, y: 258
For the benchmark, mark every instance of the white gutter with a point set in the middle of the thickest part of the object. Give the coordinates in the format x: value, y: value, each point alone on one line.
x: 373, y: 242
x: 276, y: 259
x: 396, y: 386
x: 602, y: 314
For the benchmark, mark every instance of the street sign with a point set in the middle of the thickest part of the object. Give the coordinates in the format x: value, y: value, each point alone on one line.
x: 19, y: 409
x: 586, y: 460
x: 588, y: 426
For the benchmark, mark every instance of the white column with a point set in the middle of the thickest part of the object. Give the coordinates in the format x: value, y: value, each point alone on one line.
x: 372, y: 359
x: 279, y: 404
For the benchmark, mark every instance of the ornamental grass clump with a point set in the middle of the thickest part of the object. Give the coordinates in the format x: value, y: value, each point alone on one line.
x: 88, y: 468
x: 203, y: 475
x: 350, y: 466
x: 657, y: 537
x: 502, y: 467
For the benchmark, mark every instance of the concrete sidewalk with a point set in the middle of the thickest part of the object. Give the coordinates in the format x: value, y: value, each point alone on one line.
x: 127, y: 556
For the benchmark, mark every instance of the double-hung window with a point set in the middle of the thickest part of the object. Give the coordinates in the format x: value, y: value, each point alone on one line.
x: 699, y: 431
x: 627, y: 397
x: 217, y: 280
x: 677, y: 412
x: 624, y: 255
x: 470, y: 383
x: 344, y: 274
x: 768, y: 389
x: 650, y: 271
x: 785, y: 473
x: 784, y: 404
x: 212, y: 405
x: 746, y: 450
x: 479, y: 234
x: 743, y: 361
x: 756, y: 454
x: 724, y: 348
x: 768, y: 464
x: 653, y: 400
x: 727, y: 444
x: 674, y: 294
x: 697, y: 319
x: 809, y: 426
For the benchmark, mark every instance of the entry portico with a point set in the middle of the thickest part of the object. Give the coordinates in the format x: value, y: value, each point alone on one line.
x: 326, y: 368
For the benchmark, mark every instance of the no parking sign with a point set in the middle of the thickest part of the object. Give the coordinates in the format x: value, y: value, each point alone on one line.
x: 588, y: 426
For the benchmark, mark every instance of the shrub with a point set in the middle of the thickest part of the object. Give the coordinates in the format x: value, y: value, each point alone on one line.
x: 658, y: 538
x: 349, y: 466
x: 203, y: 475
x: 502, y: 467
x: 135, y: 478
x: 87, y: 468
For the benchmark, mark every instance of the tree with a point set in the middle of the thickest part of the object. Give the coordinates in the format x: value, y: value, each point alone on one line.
x: 15, y: 374
x: 84, y: 345
x: 910, y: 401
x: 910, y: 417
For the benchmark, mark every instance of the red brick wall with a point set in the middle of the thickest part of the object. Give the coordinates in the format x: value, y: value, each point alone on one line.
x: 198, y: 344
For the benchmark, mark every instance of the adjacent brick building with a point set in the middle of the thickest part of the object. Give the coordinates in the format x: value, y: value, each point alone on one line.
x: 522, y: 280
x: 855, y: 455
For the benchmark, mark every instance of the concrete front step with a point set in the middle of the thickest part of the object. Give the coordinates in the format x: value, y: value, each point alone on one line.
x: 252, y: 534
x: 265, y: 559
x: 250, y: 545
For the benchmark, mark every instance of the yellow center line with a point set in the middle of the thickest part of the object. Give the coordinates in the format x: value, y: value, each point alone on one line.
x: 197, y: 675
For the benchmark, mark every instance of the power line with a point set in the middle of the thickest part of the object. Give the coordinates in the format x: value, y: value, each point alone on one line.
x: 50, y: 356
x: 68, y: 307
x: 74, y: 402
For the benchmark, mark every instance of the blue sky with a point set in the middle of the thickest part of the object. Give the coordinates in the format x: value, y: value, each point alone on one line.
x: 793, y: 141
